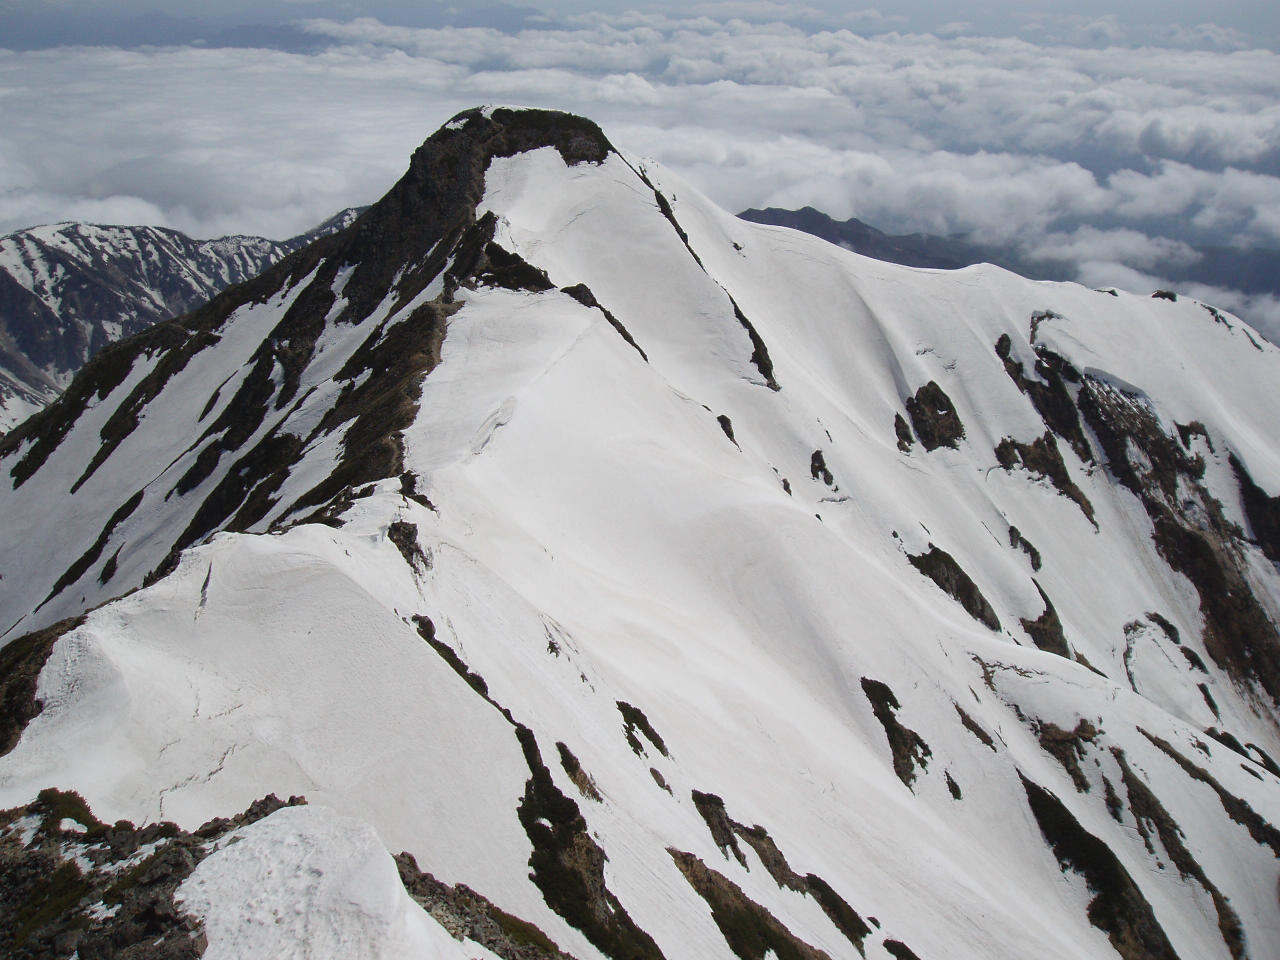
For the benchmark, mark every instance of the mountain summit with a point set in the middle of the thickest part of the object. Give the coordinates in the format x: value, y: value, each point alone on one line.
x: 656, y: 584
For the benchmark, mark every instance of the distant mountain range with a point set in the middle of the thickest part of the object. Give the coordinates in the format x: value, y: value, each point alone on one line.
x: 69, y: 289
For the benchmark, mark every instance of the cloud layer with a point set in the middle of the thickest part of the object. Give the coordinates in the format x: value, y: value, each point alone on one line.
x: 1101, y: 155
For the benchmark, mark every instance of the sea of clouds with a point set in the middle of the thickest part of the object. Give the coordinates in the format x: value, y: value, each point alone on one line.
x: 1083, y: 144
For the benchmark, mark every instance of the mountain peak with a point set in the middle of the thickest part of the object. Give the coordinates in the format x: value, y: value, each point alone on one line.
x: 391, y: 279
x: 446, y: 174
x: 503, y: 131
x: 437, y: 197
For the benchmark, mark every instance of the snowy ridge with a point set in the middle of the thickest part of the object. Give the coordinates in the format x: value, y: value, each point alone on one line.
x: 682, y: 587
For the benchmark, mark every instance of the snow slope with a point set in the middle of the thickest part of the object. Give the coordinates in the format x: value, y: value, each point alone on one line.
x: 556, y: 525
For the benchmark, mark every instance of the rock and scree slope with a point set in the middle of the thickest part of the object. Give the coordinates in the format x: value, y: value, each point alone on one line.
x: 652, y: 584
x: 68, y: 290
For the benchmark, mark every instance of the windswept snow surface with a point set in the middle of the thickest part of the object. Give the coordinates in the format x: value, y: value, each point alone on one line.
x: 306, y: 882
x: 594, y: 537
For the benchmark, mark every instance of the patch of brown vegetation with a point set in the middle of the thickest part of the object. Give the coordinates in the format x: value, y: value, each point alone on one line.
x: 568, y: 865
x: 818, y: 470
x: 711, y: 808
x: 934, y: 417
x: 1262, y: 511
x: 1049, y: 395
x: 49, y: 885
x: 1238, y: 810
x: 1046, y: 630
x: 899, y: 950
x: 759, y: 352
x: 952, y: 786
x: 585, y: 783
x: 972, y: 726
x: 1017, y: 540
x: 903, y: 433
x: 907, y: 747
x: 469, y: 915
x: 750, y: 930
x: 727, y: 426
x: 427, y: 630
x: 1042, y: 458
x: 1191, y: 532
x: 633, y: 719
x: 1193, y: 429
x: 81, y: 566
x: 942, y: 568
x: 1118, y: 907
x: 1150, y: 814
x: 725, y: 831
x: 1068, y: 748
x: 582, y: 293
x: 405, y: 537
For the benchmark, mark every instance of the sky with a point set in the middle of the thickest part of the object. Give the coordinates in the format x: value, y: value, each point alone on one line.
x: 1110, y: 139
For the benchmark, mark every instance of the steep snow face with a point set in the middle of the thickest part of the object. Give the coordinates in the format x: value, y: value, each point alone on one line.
x: 680, y: 586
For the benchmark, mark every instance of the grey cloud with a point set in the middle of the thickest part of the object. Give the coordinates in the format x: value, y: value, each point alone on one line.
x: 1159, y: 24
x: 219, y: 141
x: 966, y: 93
x: 1129, y: 247
x: 1236, y: 205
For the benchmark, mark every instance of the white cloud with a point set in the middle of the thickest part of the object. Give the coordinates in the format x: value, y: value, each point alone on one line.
x: 1235, y: 204
x: 1075, y: 29
x: 34, y: 208
x: 986, y: 135
x: 627, y: 88
x: 756, y: 10
x: 1106, y: 156
x: 216, y: 141
x: 1129, y: 247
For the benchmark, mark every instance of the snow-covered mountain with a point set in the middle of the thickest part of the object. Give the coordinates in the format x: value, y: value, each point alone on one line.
x: 913, y: 250
x: 69, y: 289
x: 652, y: 584
x: 1249, y: 271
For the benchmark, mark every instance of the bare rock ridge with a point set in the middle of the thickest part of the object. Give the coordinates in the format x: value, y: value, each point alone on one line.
x: 619, y: 579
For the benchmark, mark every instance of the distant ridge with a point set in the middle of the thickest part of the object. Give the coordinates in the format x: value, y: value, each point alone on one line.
x: 67, y: 290
x: 911, y: 250
x: 1251, y: 270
